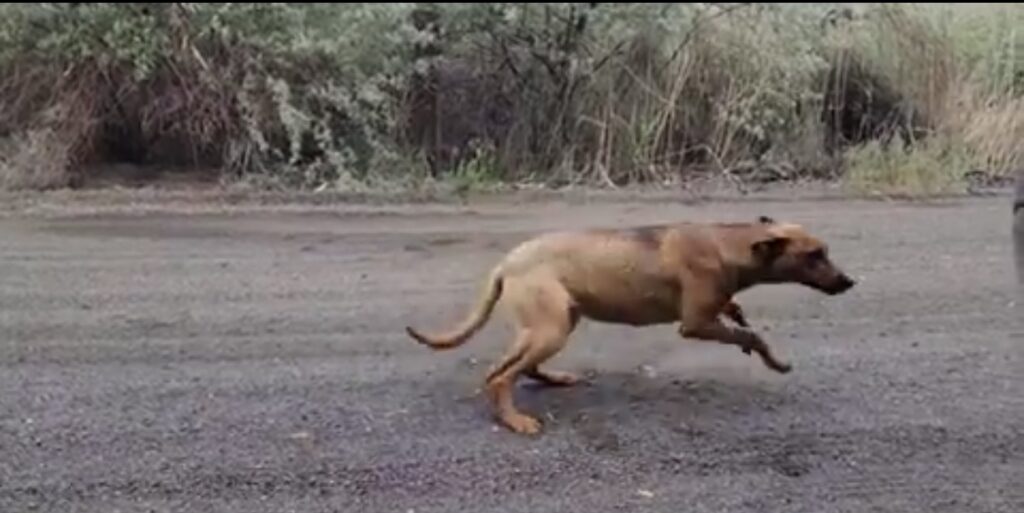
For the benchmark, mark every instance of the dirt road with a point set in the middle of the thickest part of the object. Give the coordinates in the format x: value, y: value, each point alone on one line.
x: 255, y: 362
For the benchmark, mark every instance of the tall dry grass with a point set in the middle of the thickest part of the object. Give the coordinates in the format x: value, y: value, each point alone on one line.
x: 903, y: 96
x: 960, y: 73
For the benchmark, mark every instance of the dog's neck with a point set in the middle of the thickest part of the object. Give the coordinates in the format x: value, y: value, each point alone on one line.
x: 747, y: 276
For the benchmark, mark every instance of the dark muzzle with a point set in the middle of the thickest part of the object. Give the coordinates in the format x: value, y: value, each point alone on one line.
x: 842, y: 284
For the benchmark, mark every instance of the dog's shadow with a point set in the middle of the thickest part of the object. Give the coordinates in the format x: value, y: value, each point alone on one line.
x: 608, y: 407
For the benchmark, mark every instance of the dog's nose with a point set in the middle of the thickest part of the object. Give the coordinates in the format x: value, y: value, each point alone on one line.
x: 844, y: 283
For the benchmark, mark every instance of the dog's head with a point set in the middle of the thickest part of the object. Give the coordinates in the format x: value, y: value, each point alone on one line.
x: 786, y: 253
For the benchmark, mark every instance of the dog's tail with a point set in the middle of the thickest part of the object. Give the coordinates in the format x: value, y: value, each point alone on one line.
x: 477, y: 318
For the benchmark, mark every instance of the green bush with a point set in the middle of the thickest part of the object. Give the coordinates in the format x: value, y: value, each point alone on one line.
x: 934, y: 166
x: 363, y: 95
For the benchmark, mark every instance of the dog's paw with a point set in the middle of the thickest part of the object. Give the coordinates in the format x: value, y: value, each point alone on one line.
x: 522, y: 424
x: 782, y: 367
x: 554, y: 378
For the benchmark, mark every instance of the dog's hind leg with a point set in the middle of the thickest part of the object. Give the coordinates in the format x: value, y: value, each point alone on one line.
x: 500, y: 381
x: 548, y: 377
x: 541, y: 344
x: 556, y: 378
x: 544, y: 323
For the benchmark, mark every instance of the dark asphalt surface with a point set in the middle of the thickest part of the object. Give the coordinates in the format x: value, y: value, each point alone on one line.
x: 257, y: 363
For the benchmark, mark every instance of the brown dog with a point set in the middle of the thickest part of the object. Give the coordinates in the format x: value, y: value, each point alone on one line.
x: 682, y: 272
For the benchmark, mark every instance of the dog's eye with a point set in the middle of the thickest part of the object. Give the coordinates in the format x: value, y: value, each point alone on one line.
x: 816, y: 255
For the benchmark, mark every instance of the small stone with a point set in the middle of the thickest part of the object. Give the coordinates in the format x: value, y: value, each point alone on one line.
x: 647, y: 494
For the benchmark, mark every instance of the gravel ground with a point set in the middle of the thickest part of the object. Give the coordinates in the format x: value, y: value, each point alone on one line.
x: 256, y: 362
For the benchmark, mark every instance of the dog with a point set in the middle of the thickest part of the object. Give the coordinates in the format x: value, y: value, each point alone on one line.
x: 682, y: 272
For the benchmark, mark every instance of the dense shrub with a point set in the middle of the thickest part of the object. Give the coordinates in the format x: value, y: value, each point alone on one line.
x: 310, y: 95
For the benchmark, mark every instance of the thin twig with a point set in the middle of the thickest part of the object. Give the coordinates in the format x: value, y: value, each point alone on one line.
x: 698, y: 22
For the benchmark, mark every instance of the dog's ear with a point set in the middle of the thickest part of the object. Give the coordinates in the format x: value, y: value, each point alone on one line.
x: 765, y: 220
x: 767, y: 250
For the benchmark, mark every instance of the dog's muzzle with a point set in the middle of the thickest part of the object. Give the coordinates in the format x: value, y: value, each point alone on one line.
x: 842, y: 284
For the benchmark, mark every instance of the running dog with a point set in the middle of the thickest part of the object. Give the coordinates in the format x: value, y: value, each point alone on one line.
x: 682, y: 272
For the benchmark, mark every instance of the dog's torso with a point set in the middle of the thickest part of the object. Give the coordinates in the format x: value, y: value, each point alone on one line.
x: 617, y: 276
x: 614, y: 289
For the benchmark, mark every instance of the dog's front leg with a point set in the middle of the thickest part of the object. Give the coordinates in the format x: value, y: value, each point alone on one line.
x: 733, y: 311
x: 746, y: 340
x: 700, y: 321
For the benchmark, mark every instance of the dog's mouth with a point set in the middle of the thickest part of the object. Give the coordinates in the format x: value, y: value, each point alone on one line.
x: 834, y: 286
